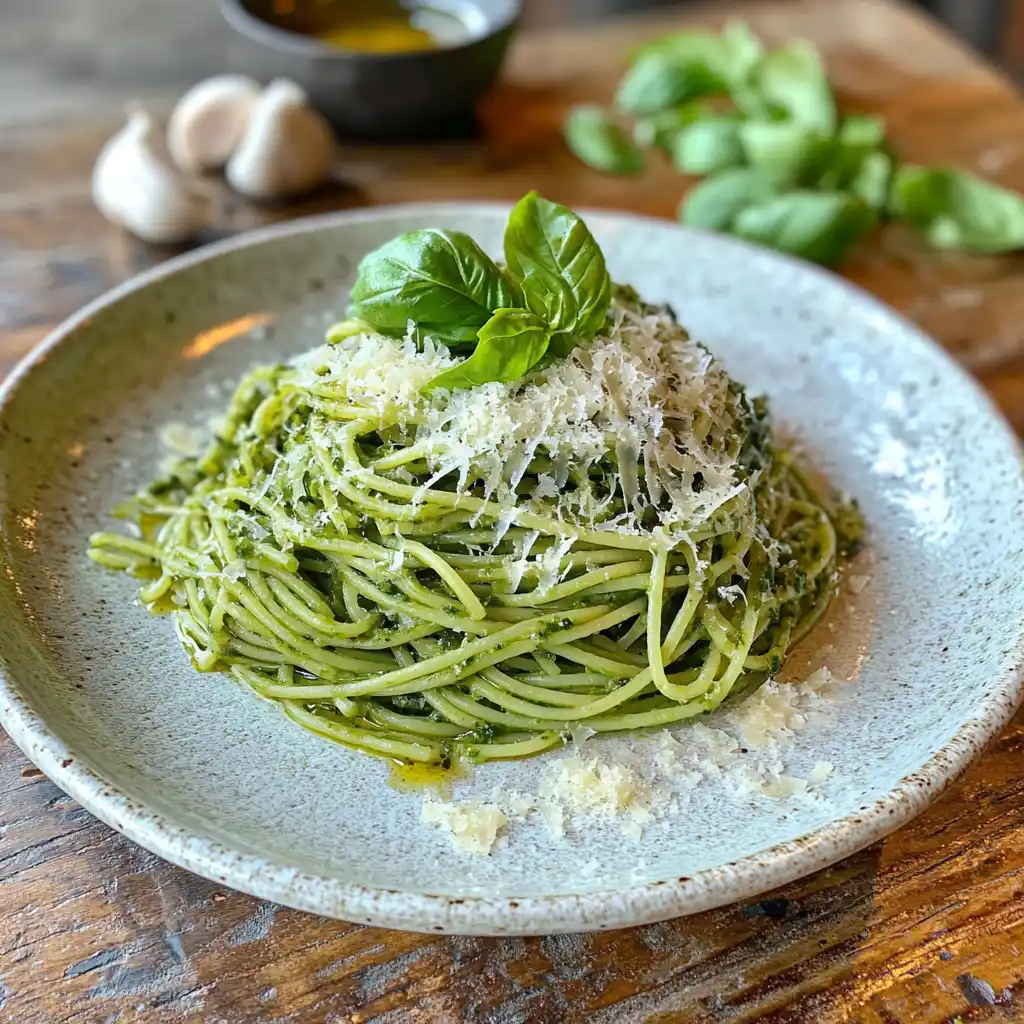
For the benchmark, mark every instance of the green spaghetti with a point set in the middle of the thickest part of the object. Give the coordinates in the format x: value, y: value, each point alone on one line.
x: 425, y: 566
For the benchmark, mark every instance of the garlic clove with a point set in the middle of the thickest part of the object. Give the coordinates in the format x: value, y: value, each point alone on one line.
x: 208, y: 121
x: 287, y: 148
x: 133, y: 187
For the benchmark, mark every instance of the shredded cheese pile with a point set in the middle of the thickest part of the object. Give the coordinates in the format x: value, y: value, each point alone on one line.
x: 644, y: 394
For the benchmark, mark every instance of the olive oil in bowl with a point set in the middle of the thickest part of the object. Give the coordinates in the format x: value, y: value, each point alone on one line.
x: 378, y: 69
x: 390, y: 26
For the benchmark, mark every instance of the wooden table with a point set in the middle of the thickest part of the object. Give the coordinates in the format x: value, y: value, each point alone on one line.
x: 924, y: 927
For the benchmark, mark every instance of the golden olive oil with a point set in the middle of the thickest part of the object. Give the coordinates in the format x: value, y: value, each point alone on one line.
x: 413, y: 777
x: 385, y: 26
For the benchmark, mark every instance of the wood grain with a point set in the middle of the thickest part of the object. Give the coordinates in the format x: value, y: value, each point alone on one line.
x: 925, y: 927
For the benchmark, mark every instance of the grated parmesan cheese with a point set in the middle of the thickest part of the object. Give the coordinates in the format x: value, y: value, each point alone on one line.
x: 641, y: 782
x: 234, y: 570
x: 592, y: 786
x: 473, y: 826
x: 554, y: 817
x: 645, y: 393
x: 594, y: 789
x: 858, y: 583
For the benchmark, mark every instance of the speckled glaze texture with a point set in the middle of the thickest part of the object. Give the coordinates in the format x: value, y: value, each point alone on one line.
x: 202, y: 772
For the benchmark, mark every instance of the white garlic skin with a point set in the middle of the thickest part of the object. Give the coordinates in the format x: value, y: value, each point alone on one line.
x: 209, y: 120
x: 287, y: 148
x: 135, y: 188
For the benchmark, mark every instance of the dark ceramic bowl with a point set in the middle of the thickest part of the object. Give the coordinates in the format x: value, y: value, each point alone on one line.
x: 372, y: 95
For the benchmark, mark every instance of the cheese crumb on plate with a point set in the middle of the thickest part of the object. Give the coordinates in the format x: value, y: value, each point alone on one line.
x: 473, y: 826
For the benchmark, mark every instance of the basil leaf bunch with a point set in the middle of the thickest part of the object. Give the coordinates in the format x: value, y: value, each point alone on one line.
x: 955, y: 210
x: 780, y: 165
x: 552, y: 294
x: 600, y: 143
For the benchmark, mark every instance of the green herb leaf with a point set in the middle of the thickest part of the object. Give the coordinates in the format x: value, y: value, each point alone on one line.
x: 956, y: 210
x: 792, y: 78
x: 689, y: 45
x: 864, y: 130
x: 600, y: 143
x: 660, y: 130
x: 786, y: 152
x: 859, y: 138
x: 660, y: 80
x: 559, y: 265
x: 442, y: 280
x: 708, y: 146
x: 730, y: 55
x: 818, y: 226
x: 509, y: 345
x: 740, y: 52
x: 717, y: 201
x: 871, y: 182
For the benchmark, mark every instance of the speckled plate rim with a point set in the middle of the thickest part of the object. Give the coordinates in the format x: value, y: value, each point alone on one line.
x: 641, y: 904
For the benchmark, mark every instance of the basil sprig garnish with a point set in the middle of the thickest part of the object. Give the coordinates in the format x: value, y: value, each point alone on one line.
x: 553, y: 293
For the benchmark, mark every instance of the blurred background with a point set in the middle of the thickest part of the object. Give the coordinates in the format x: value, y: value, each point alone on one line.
x: 51, y: 49
x: 984, y: 23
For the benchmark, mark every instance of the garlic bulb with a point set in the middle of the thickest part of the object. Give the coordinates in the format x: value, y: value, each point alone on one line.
x: 208, y: 121
x: 287, y: 148
x: 134, y: 187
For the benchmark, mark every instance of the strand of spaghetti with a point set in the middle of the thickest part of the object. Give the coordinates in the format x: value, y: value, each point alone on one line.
x: 367, y: 589
x: 353, y: 736
x: 570, y: 587
x: 528, y: 691
x: 508, y: 749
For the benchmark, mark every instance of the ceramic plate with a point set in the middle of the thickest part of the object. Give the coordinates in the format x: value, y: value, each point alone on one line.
x: 202, y: 772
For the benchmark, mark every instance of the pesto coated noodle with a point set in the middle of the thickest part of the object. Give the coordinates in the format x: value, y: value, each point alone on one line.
x: 612, y: 541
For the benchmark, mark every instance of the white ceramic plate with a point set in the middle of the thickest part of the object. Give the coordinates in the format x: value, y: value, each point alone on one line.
x: 202, y: 772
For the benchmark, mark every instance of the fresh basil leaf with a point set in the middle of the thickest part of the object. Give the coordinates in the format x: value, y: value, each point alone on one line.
x: 740, y: 52
x: 731, y: 55
x: 692, y: 45
x: 859, y: 138
x: 600, y: 143
x: 717, y: 201
x: 956, y: 210
x: 559, y: 265
x: 706, y: 146
x: 793, y: 79
x: 441, y: 280
x: 817, y: 226
x: 786, y: 152
x: 660, y: 130
x: 661, y: 80
x: 864, y: 130
x: 509, y: 344
x: 871, y: 182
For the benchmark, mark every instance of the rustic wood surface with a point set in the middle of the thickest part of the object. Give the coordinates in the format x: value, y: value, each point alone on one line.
x: 925, y: 927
